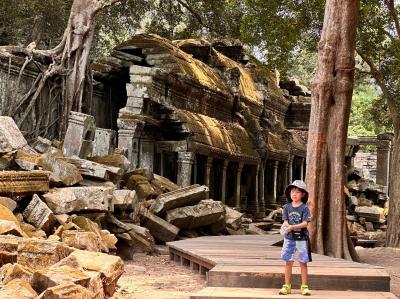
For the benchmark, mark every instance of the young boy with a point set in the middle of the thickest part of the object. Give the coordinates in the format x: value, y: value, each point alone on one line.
x: 296, y: 216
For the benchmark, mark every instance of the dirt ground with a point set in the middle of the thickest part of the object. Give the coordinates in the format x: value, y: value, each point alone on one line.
x: 386, y: 257
x: 155, y: 277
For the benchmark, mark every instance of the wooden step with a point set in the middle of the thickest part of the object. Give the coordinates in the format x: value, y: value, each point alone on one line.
x: 258, y: 293
x: 271, y: 276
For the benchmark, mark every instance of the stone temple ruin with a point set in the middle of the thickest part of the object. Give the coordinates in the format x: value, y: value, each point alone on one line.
x: 192, y: 111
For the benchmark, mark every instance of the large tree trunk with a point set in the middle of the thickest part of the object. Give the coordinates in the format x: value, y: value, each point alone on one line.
x: 70, y: 60
x: 393, y: 229
x: 330, y: 111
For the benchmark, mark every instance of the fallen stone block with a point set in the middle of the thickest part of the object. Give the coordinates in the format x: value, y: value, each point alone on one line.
x: 79, y: 136
x: 133, y: 236
x: 66, y: 291
x: 66, y: 200
x: 27, y: 161
x: 15, y: 271
x: 187, y: 196
x: 124, y: 199
x: 141, y: 185
x: 32, y: 231
x: 233, y: 218
x: 11, y: 137
x: 164, y: 184
x: 38, y: 214
x: 158, y: 227
x: 109, y: 240
x: 18, y: 289
x: 23, y: 182
x: 104, y: 142
x: 254, y: 230
x: 218, y: 226
x: 39, y: 254
x: 202, y: 214
x: 54, y: 276
x: 369, y: 213
x: 87, y: 225
x: 8, y: 249
x: 62, y: 173
x: 115, y: 160
x: 9, y: 223
x: 41, y: 144
x: 110, y: 267
x: 8, y: 203
x: 95, y: 170
x: 82, y: 240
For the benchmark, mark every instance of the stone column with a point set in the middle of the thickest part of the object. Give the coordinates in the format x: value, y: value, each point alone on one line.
x: 238, y: 177
x: 104, y: 142
x: 146, y: 154
x: 128, y: 139
x: 162, y: 163
x: 79, y: 136
x: 223, y: 180
x: 207, y: 170
x: 275, y: 179
x: 290, y: 170
x: 185, y: 162
x: 383, y: 162
x: 302, y: 169
x: 261, y: 184
x: 207, y: 176
x: 285, y: 174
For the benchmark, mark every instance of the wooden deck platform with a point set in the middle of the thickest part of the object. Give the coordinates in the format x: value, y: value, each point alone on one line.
x: 252, y: 261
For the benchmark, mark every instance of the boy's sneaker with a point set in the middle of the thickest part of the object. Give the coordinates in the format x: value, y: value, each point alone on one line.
x: 286, y: 289
x: 305, y: 290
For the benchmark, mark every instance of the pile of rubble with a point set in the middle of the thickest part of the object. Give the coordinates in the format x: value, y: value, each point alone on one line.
x: 367, y: 209
x: 65, y: 213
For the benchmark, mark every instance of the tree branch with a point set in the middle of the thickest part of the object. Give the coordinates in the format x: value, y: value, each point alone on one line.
x: 194, y: 13
x: 393, y: 13
x: 390, y: 99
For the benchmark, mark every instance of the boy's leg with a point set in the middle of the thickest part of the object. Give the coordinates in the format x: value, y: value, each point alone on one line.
x: 288, y: 272
x: 304, y: 273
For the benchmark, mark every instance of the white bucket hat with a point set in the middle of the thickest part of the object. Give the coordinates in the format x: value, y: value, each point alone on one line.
x: 298, y: 184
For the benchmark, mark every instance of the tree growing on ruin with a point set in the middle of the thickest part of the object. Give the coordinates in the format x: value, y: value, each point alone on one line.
x: 330, y: 110
x: 70, y: 60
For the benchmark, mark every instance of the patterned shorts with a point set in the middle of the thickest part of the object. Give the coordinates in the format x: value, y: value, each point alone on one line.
x: 291, y: 246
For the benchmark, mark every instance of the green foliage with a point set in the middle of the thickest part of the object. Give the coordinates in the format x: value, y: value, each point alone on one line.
x: 369, y: 113
x: 17, y: 19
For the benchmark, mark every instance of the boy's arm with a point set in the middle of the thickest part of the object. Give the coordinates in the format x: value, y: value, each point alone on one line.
x: 285, y: 223
x: 298, y: 226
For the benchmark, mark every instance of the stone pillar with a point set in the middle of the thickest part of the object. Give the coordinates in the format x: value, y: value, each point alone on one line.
x: 285, y: 174
x: 146, y: 154
x: 194, y: 170
x: 207, y: 176
x: 128, y: 139
x: 104, y: 142
x: 207, y: 170
x: 290, y: 170
x: 261, y: 184
x: 237, y: 184
x: 223, y: 180
x: 185, y: 162
x: 79, y: 136
x: 275, y: 179
x: 383, y: 162
x: 162, y: 163
x: 302, y: 169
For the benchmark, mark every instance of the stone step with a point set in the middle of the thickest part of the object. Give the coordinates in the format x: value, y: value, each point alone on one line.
x: 259, y: 293
x: 260, y: 276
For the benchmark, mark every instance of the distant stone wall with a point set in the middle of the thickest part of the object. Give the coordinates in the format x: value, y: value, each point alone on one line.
x: 366, y: 162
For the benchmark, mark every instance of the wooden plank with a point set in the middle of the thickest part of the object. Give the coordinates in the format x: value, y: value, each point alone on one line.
x: 262, y: 293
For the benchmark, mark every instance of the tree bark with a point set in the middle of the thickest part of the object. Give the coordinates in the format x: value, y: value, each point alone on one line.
x: 70, y: 60
x: 330, y: 111
x: 393, y: 230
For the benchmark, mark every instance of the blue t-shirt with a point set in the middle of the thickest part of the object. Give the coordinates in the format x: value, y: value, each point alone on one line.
x: 296, y: 215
